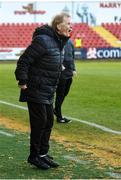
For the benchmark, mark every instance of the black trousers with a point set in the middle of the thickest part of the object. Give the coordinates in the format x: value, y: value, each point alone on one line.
x: 41, y: 123
x: 61, y: 91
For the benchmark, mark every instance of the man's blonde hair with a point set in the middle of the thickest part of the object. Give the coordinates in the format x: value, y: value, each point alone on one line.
x: 58, y: 19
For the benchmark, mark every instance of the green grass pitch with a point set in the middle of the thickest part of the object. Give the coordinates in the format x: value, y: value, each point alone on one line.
x: 83, y: 151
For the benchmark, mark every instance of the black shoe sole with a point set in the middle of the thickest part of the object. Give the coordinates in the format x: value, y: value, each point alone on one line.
x: 51, y: 164
x: 38, y: 166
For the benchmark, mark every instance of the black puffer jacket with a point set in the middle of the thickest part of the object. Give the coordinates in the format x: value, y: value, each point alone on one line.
x: 40, y: 66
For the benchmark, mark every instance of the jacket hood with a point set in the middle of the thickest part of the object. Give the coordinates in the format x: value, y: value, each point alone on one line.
x: 45, y: 29
x: 48, y: 30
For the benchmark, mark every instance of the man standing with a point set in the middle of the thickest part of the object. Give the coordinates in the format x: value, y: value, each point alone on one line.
x: 65, y: 81
x: 38, y: 70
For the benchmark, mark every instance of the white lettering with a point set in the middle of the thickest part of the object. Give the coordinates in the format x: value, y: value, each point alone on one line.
x: 100, y: 53
x: 106, y: 53
x: 111, y: 53
x: 115, y: 53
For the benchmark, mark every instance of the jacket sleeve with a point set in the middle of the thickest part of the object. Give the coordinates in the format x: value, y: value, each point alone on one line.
x: 29, y: 56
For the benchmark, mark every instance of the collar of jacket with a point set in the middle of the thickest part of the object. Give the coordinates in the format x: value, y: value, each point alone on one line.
x: 63, y: 39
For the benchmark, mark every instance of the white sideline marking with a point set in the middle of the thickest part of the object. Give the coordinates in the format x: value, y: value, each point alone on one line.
x: 6, y: 134
x: 103, y: 128
x: 114, y: 175
x: 97, y: 126
x: 14, y: 105
x: 72, y: 158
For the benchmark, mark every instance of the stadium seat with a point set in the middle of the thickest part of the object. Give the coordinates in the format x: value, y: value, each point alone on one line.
x: 20, y: 34
x: 114, y: 28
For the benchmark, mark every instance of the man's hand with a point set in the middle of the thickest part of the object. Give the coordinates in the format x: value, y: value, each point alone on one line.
x: 63, y: 67
x: 23, y: 87
x: 74, y: 73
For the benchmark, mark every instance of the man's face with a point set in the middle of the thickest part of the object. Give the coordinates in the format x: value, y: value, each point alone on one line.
x: 65, y: 27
